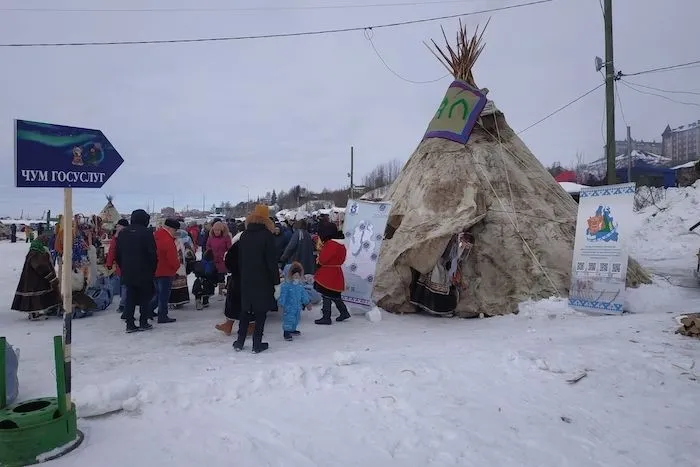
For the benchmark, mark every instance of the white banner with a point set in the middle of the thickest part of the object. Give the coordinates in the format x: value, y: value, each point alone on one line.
x: 603, y: 227
x: 364, y: 227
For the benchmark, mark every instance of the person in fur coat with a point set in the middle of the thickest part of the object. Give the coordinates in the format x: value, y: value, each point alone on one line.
x: 257, y: 262
x: 38, y: 292
x: 219, y: 242
x: 329, y: 280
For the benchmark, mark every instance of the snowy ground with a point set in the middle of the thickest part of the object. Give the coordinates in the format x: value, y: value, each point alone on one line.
x: 406, y: 391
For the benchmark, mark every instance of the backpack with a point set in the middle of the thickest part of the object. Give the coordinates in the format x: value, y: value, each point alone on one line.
x: 101, y: 295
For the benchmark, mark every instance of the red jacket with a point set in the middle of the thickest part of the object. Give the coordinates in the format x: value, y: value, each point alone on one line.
x: 193, y: 230
x: 168, y: 262
x: 112, y: 255
x: 330, y: 259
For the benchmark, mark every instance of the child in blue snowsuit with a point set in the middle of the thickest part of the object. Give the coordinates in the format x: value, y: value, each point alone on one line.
x: 293, y: 297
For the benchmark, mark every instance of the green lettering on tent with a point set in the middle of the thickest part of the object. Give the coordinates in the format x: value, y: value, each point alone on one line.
x: 443, y: 104
x: 465, y: 109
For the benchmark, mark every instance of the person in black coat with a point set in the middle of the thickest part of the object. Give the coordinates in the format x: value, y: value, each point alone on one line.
x: 137, y: 259
x: 13, y: 233
x: 259, y: 274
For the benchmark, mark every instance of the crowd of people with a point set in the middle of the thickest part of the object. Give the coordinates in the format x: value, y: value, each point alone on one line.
x: 259, y: 265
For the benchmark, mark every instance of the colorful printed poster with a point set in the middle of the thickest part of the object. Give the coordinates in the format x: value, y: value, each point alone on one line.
x: 458, y: 113
x: 603, y: 227
x: 364, y: 227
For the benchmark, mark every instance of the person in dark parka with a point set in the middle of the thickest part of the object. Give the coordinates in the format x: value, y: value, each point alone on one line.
x: 300, y: 248
x: 137, y: 259
x: 257, y: 262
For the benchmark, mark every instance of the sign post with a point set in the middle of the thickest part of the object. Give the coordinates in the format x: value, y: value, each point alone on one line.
x: 67, y: 286
x: 55, y: 156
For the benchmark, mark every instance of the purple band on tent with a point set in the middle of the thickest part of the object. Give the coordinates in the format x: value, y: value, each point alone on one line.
x: 457, y: 114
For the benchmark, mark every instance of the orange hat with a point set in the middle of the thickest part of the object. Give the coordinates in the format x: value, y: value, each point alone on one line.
x: 261, y: 210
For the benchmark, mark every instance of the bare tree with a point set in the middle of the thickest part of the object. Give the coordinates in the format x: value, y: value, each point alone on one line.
x: 383, y: 174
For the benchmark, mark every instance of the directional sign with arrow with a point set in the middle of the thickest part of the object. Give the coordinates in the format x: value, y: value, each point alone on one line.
x: 57, y: 156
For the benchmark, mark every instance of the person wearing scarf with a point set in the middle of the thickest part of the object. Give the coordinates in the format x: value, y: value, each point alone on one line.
x: 38, y: 291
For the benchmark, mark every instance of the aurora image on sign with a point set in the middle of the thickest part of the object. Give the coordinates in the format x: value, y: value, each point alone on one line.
x: 457, y: 114
x: 57, y: 156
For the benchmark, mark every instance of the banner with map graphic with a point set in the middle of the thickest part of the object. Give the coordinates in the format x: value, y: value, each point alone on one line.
x: 604, y: 225
x: 364, y: 227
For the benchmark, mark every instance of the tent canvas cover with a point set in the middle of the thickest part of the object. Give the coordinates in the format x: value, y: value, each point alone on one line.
x: 109, y: 215
x: 522, y: 220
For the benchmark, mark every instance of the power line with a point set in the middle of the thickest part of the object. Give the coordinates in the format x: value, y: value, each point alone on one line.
x: 369, y: 37
x: 630, y: 86
x: 663, y: 68
x: 694, y: 93
x: 237, y: 9
x: 278, y: 35
x: 563, y: 107
x: 619, y: 101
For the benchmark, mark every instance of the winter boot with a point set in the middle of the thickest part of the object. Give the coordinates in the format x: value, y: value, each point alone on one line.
x: 288, y: 336
x: 296, y: 333
x: 205, y: 301
x: 261, y: 347
x: 238, y: 345
x: 198, y: 305
x: 131, y: 327
x: 326, y: 310
x: 36, y: 316
x: 343, y: 315
x: 225, y: 327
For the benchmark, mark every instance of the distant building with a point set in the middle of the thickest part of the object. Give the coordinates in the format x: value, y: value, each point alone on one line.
x: 646, y: 146
x: 682, y: 144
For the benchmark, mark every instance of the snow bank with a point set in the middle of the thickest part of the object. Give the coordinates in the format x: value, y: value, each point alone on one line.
x: 374, y: 315
x: 661, y: 296
x: 94, y: 400
x: 552, y: 308
x: 344, y: 358
x: 662, y: 230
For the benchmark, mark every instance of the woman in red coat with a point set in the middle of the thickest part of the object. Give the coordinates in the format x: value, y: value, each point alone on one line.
x: 110, y: 261
x: 329, y: 280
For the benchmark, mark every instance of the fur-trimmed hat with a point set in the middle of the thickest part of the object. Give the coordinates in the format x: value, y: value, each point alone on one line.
x: 172, y: 223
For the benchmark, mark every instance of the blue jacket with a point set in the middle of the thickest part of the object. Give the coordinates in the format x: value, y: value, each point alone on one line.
x: 293, y: 298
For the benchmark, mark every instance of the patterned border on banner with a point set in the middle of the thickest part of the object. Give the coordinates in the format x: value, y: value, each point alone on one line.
x: 594, y: 305
x: 607, y: 191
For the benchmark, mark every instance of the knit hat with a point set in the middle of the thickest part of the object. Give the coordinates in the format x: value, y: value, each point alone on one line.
x: 172, y: 223
x: 261, y: 210
x: 123, y: 222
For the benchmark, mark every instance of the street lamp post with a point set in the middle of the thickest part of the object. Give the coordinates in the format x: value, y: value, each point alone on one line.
x: 247, y: 205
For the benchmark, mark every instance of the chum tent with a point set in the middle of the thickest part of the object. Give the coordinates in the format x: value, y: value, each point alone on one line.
x: 517, y: 222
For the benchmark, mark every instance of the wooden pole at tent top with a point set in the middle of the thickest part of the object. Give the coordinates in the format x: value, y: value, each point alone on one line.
x: 67, y: 286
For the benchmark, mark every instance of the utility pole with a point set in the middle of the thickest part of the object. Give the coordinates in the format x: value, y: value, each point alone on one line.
x: 610, y: 92
x: 629, y: 154
x: 352, y: 172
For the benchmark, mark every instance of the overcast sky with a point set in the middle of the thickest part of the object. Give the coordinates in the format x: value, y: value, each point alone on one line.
x: 219, y: 119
